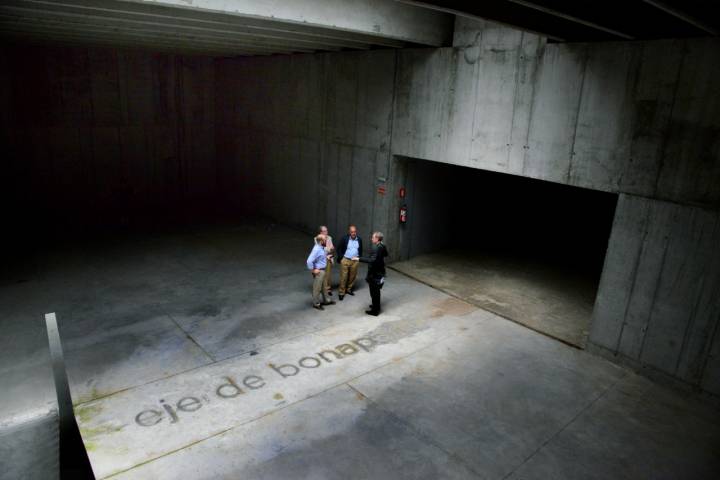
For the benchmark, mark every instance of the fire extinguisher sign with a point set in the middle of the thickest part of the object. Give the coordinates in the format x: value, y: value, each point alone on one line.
x: 403, y: 214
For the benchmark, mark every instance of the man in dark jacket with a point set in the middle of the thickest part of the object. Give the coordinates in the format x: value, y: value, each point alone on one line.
x: 349, y: 250
x: 376, y: 271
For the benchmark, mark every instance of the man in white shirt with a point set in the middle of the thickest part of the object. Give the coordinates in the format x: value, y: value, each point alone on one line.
x: 316, y: 263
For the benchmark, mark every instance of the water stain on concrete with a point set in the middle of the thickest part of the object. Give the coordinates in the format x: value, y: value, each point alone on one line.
x: 85, y: 415
x: 393, y: 331
x: 452, y: 306
x: 91, y: 395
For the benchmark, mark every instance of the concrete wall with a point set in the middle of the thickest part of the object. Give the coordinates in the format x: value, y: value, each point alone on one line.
x: 306, y: 138
x: 638, y: 118
x: 309, y: 138
x: 96, y: 136
x: 658, y: 306
x: 90, y: 138
x: 635, y: 117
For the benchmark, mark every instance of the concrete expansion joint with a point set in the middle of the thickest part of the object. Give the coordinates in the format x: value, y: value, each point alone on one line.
x: 415, y: 431
x: 575, y: 417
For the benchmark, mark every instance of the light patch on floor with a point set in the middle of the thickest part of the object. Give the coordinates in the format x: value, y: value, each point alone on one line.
x: 556, y: 302
x: 150, y: 421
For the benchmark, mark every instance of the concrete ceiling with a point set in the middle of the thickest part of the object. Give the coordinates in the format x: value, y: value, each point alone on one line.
x: 573, y: 20
x: 226, y: 27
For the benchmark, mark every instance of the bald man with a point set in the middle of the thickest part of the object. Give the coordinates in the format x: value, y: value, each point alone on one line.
x: 316, y: 263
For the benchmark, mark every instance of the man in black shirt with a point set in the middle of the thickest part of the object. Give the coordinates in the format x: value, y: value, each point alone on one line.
x: 376, y: 271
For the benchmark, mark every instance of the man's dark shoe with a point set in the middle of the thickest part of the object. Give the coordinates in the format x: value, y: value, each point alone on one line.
x: 351, y: 292
x: 329, y: 293
x: 318, y: 306
x: 340, y: 297
x: 372, y: 312
x: 331, y: 302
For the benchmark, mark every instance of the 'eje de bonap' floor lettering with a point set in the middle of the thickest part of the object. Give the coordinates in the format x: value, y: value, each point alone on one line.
x: 147, y: 422
x: 232, y: 386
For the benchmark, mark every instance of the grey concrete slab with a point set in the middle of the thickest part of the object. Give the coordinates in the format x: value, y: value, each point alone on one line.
x: 119, y: 436
x: 631, y: 117
x: 29, y: 448
x: 25, y: 373
x: 603, y: 136
x: 498, y: 55
x: 711, y: 372
x: 492, y: 395
x: 28, y: 390
x: 657, y: 301
x: 338, y: 433
x: 554, y: 112
x: 645, y: 283
x: 242, y: 28
x: 114, y: 358
x: 28, y: 407
x: 619, y: 271
x: 528, y: 64
x: 423, y: 86
x: 690, y: 164
x: 654, y: 92
x: 636, y: 430
x: 685, y: 267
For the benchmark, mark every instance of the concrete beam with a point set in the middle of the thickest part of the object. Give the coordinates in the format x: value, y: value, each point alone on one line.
x: 377, y: 18
x: 44, y: 41
x: 151, y: 12
x: 677, y: 13
x: 246, y: 26
x: 571, y: 18
x: 122, y: 41
x: 181, y: 38
x: 79, y: 16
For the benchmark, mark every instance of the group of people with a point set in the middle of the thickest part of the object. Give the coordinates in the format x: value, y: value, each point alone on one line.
x: 349, y: 254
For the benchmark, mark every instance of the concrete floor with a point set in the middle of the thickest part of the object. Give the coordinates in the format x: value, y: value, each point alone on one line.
x: 543, y: 296
x: 155, y: 328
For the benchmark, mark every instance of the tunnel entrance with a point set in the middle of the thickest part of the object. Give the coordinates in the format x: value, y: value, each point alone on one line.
x: 529, y: 250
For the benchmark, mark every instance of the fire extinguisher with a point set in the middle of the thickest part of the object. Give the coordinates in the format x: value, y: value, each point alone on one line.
x: 403, y: 214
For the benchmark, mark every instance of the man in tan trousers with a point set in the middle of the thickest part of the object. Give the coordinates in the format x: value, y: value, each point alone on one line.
x: 330, y: 250
x: 349, y: 249
x: 316, y: 263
